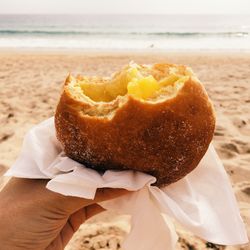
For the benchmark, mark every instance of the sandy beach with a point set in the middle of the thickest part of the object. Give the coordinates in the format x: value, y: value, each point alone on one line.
x: 30, y: 84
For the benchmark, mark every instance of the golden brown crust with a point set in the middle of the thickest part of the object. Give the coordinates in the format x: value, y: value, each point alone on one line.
x: 165, y: 139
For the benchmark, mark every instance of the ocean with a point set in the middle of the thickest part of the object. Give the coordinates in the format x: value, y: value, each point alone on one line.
x: 167, y: 32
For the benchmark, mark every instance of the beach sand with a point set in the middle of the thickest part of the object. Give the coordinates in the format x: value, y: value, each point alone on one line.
x: 30, y: 84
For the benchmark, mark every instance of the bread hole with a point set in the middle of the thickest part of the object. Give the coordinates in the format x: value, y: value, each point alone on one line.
x: 140, y: 81
x: 147, y: 83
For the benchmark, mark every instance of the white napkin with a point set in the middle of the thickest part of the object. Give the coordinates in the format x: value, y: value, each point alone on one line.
x: 203, y: 202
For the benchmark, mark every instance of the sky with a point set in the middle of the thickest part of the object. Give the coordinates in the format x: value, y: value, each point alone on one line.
x: 125, y: 6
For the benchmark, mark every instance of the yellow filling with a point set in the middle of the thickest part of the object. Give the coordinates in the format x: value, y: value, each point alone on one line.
x: 133, y: 81
x: 141, y: 87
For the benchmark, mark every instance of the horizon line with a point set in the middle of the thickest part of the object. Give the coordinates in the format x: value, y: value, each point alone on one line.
x: 155, y: 14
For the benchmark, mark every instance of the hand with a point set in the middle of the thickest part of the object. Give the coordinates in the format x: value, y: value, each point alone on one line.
x: 33, y: 217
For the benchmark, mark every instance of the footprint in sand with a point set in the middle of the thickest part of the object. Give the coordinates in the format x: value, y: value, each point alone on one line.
x: 231, y: 147
x: 246, y: 190
x: 6, y: 136
x: 242, y: 124
x: 243, y: 147
x: 219, y: 131
x: 243, y: 186
x: 228, y: 150
x: 10, y: 115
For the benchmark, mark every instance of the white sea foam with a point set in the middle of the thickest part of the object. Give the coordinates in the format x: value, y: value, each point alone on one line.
x: 125, y: 32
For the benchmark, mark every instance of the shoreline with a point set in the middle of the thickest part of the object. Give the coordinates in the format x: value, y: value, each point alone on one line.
x: 108, y: 52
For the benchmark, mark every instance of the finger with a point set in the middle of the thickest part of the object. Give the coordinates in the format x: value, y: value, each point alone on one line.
x: 71, y: 204
x: 71, y: 226
x: 104, y: 194
x: 77, y: 218
x: 80, y: 216
x: 75, y: 221
x: 65, y: 235
x: 93, y: 210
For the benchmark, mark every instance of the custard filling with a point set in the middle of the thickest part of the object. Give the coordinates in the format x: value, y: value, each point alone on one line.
x: 141, y: 82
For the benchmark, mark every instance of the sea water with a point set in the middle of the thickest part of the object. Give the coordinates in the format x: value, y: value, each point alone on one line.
x: 168, y: 32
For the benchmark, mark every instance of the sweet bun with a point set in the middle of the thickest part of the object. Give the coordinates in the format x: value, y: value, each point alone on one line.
x: 157, y: 119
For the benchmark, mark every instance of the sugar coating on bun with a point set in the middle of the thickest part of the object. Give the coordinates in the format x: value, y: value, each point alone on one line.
x: 152, y: 118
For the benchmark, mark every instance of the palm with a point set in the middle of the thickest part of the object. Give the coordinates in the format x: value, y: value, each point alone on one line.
x: 36, y: 218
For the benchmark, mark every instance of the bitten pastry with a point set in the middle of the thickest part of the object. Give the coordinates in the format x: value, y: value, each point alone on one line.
x: 157, y: 119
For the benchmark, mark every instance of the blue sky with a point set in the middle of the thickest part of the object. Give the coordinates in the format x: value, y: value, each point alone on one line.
x: 126, y: 6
